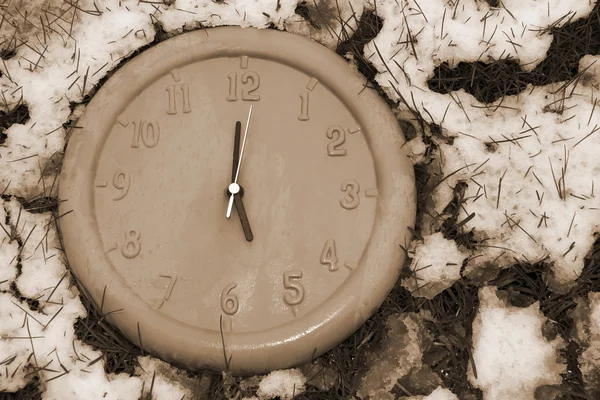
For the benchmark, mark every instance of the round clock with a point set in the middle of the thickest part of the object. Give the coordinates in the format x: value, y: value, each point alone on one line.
x: 237, y: 198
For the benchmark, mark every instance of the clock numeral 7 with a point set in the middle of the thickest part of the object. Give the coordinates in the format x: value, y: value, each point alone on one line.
x: 229, y: 301
x: 250, y: 82
x: 147, y: 130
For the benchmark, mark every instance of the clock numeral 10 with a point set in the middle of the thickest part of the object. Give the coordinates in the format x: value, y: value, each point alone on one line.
x: 295, y: 293
x: 148, y: 131
x: 250, y: 82
x: 229, y: 301
x: 185, y: 94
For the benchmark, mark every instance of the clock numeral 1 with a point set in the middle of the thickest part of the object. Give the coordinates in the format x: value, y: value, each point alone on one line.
x: 304, y: 106
x: 329, y: 256
x: 250, y: 82
x: 132, y: 247
x: 185, y: 94
x: 148, y: 131
x: 337, y: 135
x: 295, y: 290
x: 351, y: 199
x: 229, y: 301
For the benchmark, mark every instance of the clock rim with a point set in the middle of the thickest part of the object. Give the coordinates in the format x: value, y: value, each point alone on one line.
x: 334, y: 319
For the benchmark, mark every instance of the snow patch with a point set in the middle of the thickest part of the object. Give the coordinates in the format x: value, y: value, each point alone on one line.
x: 284, y: 384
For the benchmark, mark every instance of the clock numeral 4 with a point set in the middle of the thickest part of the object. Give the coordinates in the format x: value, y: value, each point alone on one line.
x: 337, y: 135
x: 329, y: 256
x: 148, y: 131
x: 172, y: 91
x: 250, y: 82
x: 229, y: 301
x: 295, y: 290
x: 132, y: 246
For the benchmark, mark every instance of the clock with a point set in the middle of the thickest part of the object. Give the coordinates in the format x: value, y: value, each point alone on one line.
x: 236, y: 198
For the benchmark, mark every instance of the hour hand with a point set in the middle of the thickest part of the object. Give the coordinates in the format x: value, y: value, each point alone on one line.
x: 239, y: 207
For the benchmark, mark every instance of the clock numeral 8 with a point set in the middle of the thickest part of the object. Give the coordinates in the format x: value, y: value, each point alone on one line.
x: 229, y: 301
x: 296, y: 290
x: 131, y: 248
x: 250, y: 80
x: 351, y: 199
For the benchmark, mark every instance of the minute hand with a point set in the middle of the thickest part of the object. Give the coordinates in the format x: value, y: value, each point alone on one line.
x: 234, y: 188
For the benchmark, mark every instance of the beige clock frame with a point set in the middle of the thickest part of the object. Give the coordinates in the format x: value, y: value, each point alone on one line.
x: 286, y: 345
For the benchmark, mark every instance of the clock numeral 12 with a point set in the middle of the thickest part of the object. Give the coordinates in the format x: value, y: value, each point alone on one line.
x: 185, y: 93
x: 250, y: 82
x: 148, y: 131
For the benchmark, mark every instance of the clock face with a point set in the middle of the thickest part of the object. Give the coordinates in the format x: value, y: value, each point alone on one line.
x: 312, y: 245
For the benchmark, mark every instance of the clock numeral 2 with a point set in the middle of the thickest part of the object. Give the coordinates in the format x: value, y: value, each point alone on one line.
x: 337, y: 135
x: 295, y: 293
x: 184, y: 88
x: 250, y: 82
x: 229, y: 301
x: 131, y: 247
x: 148, y: 131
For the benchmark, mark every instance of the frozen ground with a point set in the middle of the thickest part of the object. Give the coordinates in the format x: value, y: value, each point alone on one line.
x: 501, y: 297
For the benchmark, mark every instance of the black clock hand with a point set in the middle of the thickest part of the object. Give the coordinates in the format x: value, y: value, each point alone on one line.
x: 237, y: 200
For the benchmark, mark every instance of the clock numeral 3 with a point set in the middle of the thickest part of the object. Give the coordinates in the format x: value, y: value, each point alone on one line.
x: 131, y: 248
x: 337, y: 135
x: 250, y: 82
x: 121, y: 181
x: 351, y: 199
x: 329, y: 256
x: 229, y: 301
x: 295, y: 294
x: 184, y: 88
x: 148, y: 131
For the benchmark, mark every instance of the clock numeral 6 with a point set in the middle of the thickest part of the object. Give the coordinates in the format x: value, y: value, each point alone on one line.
x: 295, y: 294
x: 250, y: 82
x: 337, y: 135
x: 329, y: 256
x: 131, y: 248
x: 229, y: 301
x: 148, y: 131
x: 351, y: 199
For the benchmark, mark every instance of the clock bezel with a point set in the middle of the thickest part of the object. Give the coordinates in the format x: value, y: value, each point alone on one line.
x: 291, y: 343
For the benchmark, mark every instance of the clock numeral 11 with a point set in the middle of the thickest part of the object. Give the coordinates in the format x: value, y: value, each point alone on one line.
x: 185, y: 94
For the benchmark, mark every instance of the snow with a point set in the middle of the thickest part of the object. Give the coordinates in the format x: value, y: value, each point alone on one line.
x: 284, y: 384
x: 505, y: 184
x: 400, y: 351
x: 438, y: 394
x: 512, y: 358
x: 435, y: 265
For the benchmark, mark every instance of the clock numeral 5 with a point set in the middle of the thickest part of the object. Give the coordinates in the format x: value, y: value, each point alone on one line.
x: 295, y: 294
x: 250, y: 82
x: 229, y: 301
x: 148, y: 131
x: 337, y: 134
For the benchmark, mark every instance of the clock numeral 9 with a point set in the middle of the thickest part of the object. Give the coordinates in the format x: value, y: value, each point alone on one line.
x: 121, y: 181
x: 329, y: 256
x: 351, y: 199
x: 337, y: 134
x: 250, y: 82
x: 295, y: 294
x: 148, y: 131
x: 229, y: 301
x: 131, y: 248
